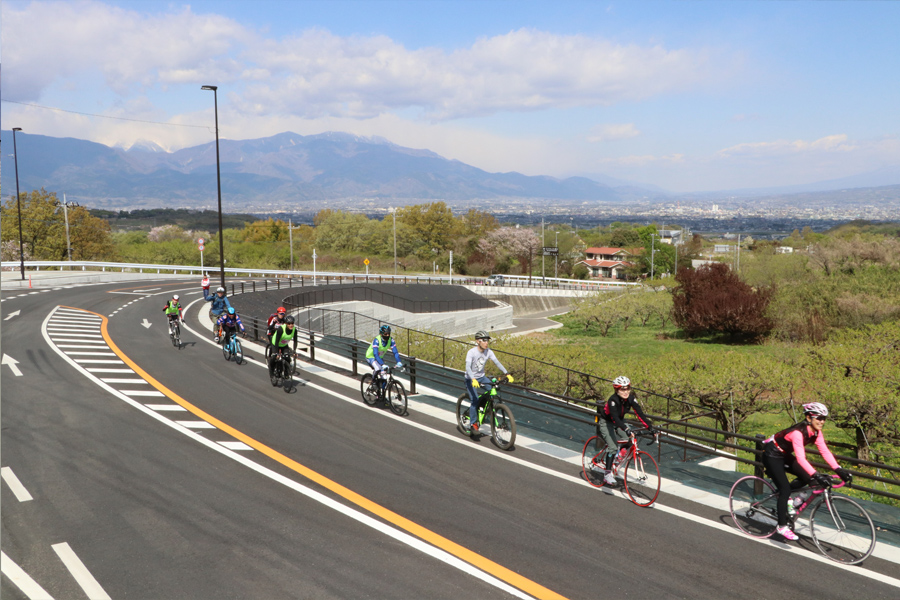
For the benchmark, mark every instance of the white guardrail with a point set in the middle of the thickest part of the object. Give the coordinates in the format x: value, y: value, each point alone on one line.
x: 327, y: 276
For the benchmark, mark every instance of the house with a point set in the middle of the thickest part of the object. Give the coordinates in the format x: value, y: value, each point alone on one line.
x: 784, y: 250
x: 722, y: 248
x: 606, y: 263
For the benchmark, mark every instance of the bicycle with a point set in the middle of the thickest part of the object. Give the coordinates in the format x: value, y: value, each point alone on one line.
x: 391, y: 392
x: 841, y: 529
x: 503, y: 424
x: 232, y: 347
x: 641, y: 472
x: 283, y: 368
x: 175, y: 332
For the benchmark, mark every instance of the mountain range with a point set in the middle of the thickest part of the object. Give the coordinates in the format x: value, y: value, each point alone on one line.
x: 303, y: 173
x: 284, y: 168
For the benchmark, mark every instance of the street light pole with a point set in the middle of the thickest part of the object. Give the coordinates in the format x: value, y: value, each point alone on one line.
x: 66, y: 216
x: 394, y: 212
x: 652, y: 253
x: 556, y: 264
x: 218, y: 182
x: 19, y: 205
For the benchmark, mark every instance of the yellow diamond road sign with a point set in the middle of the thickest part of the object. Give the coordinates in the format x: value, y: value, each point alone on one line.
x: 366, y: 262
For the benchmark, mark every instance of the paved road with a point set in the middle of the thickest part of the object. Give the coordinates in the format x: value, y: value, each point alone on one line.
x: 328, y: 499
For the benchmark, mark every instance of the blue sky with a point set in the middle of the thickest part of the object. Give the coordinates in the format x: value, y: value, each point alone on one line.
x: 688, y: 96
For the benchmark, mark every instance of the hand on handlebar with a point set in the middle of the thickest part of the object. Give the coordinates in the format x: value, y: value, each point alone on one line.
x: 822, y: 479
x: 475, y: 383
x: 845, y: 475
x: 509, y: 378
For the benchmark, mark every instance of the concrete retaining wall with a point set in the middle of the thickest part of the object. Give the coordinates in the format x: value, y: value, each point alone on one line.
x: 449, y: 324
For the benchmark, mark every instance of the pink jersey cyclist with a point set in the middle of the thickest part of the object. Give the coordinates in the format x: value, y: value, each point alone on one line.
x: 786, y: 451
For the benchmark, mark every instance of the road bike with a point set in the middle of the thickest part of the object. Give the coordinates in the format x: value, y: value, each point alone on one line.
x: 175, y: 332
x: 841, y: 529
x: 283, y: 368
x: 490, y: 410
x: 232, y: 347
x: 385, y: 389
x: 639, y: 470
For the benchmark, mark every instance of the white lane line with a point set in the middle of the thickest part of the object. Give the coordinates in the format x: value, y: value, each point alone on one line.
x: 86, y: 353
x: 98, y: 361
x: 70, y: 321
x: 131, y: 381
x: 196, y: 424
x: 77, y: 334
x: 108, y: 370
x: 15, y: 485
x: 67, y: 339
x: 236, y: 445
x: 72, y: 311
x: 23, y: 581
x: 84, y: 578
x: 76, y: 346
x: 172, y: 407
x: 355, y: 514
x: 142, y: 393
x: 74, y: 327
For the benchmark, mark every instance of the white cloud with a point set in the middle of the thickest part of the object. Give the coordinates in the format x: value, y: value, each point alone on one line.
x: 830, y: 144
x: 613, y: 131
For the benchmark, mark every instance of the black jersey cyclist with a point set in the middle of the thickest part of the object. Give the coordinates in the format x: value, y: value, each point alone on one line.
x: 785, y: 451
x: 611, y: 421
x: 283, y: 336
x: 275, y: 321
x: 229, y: 323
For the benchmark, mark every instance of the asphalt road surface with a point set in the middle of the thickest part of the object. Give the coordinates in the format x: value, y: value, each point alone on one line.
x: 162, y: 473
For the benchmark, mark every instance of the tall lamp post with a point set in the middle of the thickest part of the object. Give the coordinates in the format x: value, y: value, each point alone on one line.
x: 652, y: 252
x: 218, y: 182
x: 394, y: 212
x: 19, y: 205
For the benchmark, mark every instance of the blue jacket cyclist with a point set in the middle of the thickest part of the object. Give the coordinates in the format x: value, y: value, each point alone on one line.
x: 229, y: 323
x: 476, y: 359
x: 380, y: 346
x: 219, y: 305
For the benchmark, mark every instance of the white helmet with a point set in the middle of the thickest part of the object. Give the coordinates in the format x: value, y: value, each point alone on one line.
x: 175, y: 297
x: 815, y: 408
x: 220, y: 289
x: 621, y: 381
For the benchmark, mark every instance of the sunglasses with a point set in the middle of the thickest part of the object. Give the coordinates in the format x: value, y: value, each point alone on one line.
x: 820, y: 418
x: 625, y: 388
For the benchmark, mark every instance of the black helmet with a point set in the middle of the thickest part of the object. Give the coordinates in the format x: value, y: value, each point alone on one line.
x: 385, y: 330
x: 482, y: 335
x: 289, y: 320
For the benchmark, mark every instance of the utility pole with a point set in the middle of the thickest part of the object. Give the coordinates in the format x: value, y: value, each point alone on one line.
x: 68, y: 242
x: 652, y: 253
x: 291, y: 241
x: 543, y: 244
x: 394, y: 212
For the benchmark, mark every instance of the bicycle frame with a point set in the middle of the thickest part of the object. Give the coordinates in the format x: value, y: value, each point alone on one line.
x: 488, y: 397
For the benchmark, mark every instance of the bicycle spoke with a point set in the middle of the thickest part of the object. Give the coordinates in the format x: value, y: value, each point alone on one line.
x: 642, y: 478
x: 593, y: 461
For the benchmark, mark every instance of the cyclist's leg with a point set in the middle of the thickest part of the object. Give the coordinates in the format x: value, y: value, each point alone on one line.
x: 610, y: 436
x: 475, y: 396
x: 774, y: 466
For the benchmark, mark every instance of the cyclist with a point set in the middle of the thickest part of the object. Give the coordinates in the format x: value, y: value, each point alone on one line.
x: 785, y: 451
x: 283, y: 335
x: 275, y: 321
x: 173, y: 311
x: 611, y: 417
x: 382, y: 343
x: 476, y: 358
x: 219, y: 305
x: 229, y: 323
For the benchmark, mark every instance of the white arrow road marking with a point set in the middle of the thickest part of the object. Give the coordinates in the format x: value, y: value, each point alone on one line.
x: 23, y: 581
x: 150, y: 290
x: 146, y: 324
x: 12, y: 314
x: 15, y: 485
x: 11, y: 362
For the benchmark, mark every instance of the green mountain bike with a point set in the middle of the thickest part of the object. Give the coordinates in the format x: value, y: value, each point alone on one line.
x: 490, y: 410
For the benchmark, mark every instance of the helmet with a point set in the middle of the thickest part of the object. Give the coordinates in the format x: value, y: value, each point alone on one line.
x: 482, y: 335
x: 385, y: 330
x: 220, y: 289
x: 289, y: 320
x: 815, y: 408
x: 175, y: 297
x: 621, y: 381
x: 230, y: 310
x: 281, y: 310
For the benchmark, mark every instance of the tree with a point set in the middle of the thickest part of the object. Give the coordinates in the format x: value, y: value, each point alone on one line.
x: 478, y: 224
x: 44, y: 229
x: 435, y: 224
x: 713, y: 299
x: 521, y: 243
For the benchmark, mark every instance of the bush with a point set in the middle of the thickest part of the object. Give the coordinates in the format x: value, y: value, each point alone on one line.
x: 714, y: 300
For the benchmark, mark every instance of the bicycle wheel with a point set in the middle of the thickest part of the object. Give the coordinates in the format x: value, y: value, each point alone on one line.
x: 275, y: 375
x: 397, y: 398
x: 503, y: 427
x: 368, y: 389
x: 177, y: 339
x: 593, y: 461
x: 843, y: 532
x: 462, y: 413
x: 753, y: 502
x: 238, y: 352
x: 226, y: 349
x: 642, y: 478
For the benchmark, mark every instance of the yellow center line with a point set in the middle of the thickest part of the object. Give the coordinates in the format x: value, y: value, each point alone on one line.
x: 488, y: 566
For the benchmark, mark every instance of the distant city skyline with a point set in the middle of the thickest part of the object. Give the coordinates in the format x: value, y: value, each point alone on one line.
x: 688, y: 96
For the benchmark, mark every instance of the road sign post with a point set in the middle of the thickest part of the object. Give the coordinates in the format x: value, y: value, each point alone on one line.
x: 200, y: 245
